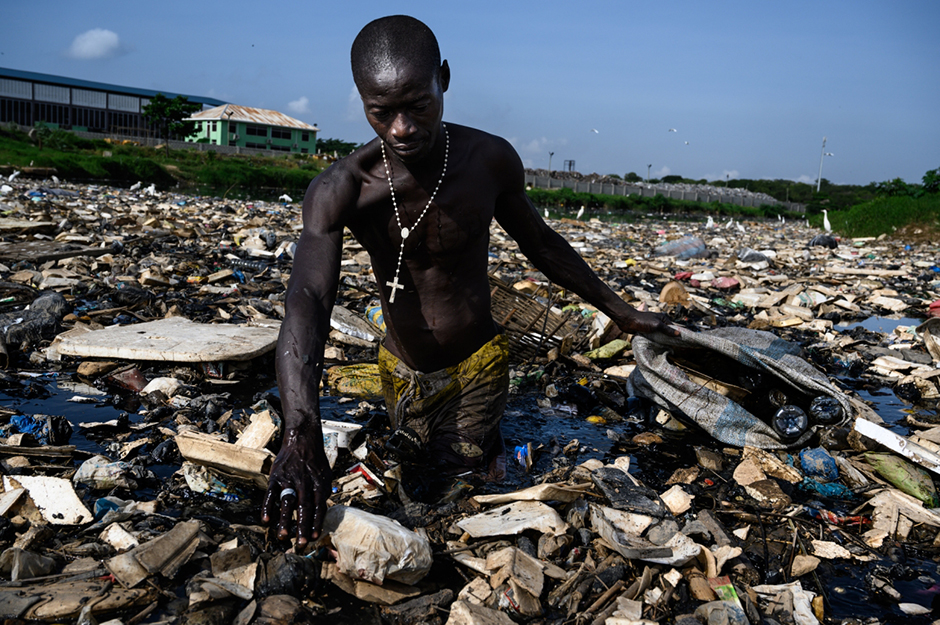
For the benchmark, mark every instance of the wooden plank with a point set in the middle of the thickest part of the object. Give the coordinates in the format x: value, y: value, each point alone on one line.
x: 238, y: 460
x: 851, y: 271
x: 175, y: 339
x: 41, y: 251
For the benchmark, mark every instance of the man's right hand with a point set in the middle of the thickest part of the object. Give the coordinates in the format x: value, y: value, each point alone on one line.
x: 301, y: 466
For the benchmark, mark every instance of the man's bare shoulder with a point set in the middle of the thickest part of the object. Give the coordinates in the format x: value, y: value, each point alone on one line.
x: 336, y: 190
x: 494, y: 153
x: 487, y: 144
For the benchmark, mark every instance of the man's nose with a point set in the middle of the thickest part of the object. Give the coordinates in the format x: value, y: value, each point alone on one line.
x: 403, y: 127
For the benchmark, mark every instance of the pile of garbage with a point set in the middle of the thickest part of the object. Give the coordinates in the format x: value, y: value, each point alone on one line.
x: 773, y: 464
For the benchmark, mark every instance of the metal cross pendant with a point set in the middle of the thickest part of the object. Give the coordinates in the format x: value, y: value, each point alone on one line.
x: 396, y: 285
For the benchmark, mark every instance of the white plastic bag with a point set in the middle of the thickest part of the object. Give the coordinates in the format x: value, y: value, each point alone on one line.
x: 373, y: 548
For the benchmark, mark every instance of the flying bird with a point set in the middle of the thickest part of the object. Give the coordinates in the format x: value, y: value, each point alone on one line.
x: 826, y: 225
x: 672, y: 130
x: 687, y: 143
x: 595, y: 131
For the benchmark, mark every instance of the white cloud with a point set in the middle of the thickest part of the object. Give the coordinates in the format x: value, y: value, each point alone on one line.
x: 299, y: 106
x: 664, y: 171
x: 97, y: 43
x: 806, y: 179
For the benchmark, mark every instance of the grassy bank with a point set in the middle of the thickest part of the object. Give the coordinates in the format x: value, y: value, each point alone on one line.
x: 567, y: 199
x: 85, y: 160
x: 886, y: 215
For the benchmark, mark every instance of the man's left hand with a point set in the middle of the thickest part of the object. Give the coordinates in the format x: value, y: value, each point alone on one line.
x: 648, y: 323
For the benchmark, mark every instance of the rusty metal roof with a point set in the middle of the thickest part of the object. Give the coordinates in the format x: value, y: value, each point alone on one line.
x: 234, y: 112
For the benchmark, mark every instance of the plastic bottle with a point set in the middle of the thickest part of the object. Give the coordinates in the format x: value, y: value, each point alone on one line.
x: 790, y: 422
x: 826, y: 410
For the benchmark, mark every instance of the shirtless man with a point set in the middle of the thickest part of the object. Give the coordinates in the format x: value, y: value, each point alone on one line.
x: 428, y: 242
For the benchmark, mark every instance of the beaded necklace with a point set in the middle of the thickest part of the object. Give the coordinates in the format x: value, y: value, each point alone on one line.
x: 395, y: 284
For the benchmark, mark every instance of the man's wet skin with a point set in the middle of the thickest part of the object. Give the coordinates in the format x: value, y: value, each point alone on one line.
x: 442, y: 314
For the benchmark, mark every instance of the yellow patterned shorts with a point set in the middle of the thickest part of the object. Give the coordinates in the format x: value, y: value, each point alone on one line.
x: 455, y: 411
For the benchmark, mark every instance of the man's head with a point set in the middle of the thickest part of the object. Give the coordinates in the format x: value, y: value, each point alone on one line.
x: 398, y: 71
x: 388, y: 43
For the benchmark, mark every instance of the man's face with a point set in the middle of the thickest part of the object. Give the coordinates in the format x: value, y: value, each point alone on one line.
x: 404, y: 105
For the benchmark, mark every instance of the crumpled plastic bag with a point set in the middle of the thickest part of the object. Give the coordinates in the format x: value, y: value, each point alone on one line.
x: 375, y: 548
x: 100, y: 473
x: 17, y: 563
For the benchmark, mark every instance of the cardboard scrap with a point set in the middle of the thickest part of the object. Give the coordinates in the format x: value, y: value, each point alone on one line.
x: 54, y: 497
x: 175, y: 339
x: 513, y: 519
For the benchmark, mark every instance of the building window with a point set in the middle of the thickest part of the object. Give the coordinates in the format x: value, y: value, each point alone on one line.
x: 305, y: 137
x: 256, y: 131
x: 257, y: 146
x: 280, y: 133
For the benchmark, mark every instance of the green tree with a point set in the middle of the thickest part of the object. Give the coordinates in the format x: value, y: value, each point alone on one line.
x: 931, y: 181
x: 171, y: 117
x: 338, y: 146
x: 632, y: 177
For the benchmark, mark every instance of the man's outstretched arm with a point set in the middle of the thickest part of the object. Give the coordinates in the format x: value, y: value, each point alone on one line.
x: 301, y: 478
x: 552, y: 255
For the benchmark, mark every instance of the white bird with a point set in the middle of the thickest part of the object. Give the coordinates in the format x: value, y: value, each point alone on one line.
x: 546, y: 213
x: 730, y: 223
x: 826, y: 225
x: 135, y: 186
x: 711, y: 222
x: 740, y: 227
x: 595, y: 131
x: 13, y: 176
x: 783, y: 220
x: 55, y: 180
x: 672, y: 130
x: 5, y: 188
x: 151, y: 190
x: 687, y: 143
x: 286, y: 198
x: 580, y: 213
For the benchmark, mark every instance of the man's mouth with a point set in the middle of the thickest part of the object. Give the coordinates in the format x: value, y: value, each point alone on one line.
x: 407, y: 149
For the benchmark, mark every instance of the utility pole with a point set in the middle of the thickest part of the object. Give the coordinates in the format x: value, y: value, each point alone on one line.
x: 822, y: 155
x: 550, y: 155
x: 648, y: 167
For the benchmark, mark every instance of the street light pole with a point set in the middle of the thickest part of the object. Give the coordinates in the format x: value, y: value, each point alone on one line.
x: 823, y: 154
x: 550, y: 155
x: 648, y: 167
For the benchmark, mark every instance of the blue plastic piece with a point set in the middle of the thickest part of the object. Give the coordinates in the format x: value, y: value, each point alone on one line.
x: 819, y: 465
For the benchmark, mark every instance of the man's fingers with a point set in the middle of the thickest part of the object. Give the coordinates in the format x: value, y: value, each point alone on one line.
x: 269, y: 506
x: 319, y: 516
x: 288, y: 502
x: 303, y: 525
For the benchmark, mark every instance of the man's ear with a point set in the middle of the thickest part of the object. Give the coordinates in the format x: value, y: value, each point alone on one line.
x: 445, y: 76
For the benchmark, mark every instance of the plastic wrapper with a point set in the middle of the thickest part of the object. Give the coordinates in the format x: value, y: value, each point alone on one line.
x: 374, y: 548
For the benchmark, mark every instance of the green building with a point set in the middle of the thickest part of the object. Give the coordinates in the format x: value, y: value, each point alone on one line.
x: 246, y: 127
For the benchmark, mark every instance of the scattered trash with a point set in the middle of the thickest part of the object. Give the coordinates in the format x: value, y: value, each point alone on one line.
x: 655, y: 479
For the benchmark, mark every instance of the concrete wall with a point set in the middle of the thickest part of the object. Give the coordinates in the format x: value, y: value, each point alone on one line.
x: 545, y: 182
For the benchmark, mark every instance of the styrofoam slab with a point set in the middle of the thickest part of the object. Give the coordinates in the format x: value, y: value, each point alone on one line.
x: 176, y: 339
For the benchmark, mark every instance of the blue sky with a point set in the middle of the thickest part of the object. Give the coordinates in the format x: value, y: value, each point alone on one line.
x: 753, y: 87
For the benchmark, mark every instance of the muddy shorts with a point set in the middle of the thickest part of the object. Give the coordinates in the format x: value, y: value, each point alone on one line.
x: 454, y: 412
